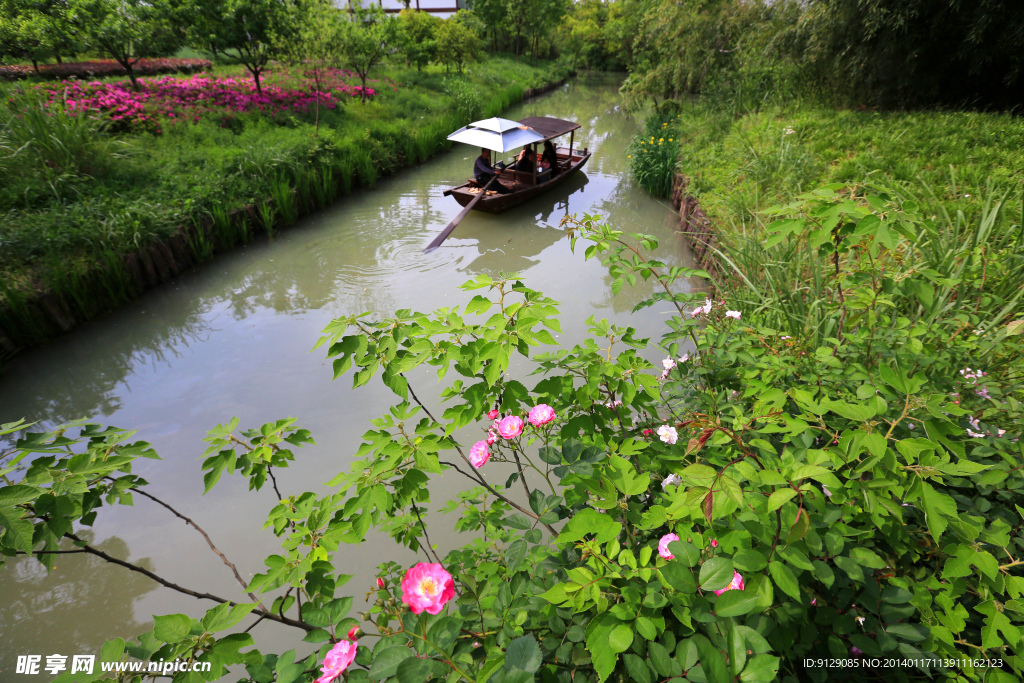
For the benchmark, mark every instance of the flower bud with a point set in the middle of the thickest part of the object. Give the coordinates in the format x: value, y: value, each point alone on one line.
x: 380, y: 583
x: 354, y: 633
x: 492, y: 415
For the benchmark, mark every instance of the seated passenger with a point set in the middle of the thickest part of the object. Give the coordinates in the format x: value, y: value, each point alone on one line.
x: 483, y: 172
x: 550, y: 157
x: 526, y: 161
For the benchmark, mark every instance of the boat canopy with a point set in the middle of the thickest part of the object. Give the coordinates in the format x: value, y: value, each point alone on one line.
x: 500, y: 135
x: 549, y: 127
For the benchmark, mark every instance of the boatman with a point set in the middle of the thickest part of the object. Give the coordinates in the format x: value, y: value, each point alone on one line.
x: 483, y: 171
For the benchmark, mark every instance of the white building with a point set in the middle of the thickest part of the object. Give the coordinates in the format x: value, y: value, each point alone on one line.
x: 439, y: 8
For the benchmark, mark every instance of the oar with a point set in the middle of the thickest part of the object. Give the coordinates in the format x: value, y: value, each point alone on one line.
x: 451, y: 226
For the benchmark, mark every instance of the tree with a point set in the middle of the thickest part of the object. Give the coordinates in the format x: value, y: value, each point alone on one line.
x: 366, y: 40
x: 419, y: 33
x: 458, y: 40
x: 317, y: 45
x: 127, y: 30
x: 246, y: 32
x: 36, y: 30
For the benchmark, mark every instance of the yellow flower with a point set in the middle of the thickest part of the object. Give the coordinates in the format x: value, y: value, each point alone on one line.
x: 661, y: 140
x: 629, y: 156
x: 670, y: 139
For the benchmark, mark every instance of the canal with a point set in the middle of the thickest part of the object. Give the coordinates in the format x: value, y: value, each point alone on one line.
x: 233, y: 338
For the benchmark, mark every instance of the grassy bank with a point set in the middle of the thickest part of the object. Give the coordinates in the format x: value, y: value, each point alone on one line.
x: 99, y: 206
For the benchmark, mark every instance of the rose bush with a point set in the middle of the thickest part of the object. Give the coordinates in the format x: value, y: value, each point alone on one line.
x: 814, y: 499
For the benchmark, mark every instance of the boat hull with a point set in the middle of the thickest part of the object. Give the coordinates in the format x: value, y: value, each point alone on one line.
x: 497, y: 203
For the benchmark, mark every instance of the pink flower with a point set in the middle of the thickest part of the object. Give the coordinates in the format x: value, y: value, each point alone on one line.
x: 733, y: 314
x: 479, y: 455
x: 668, y: 363
x: 683, y: 358
x: 337, y: 660
x: 714, y: 543
x: 856, y: 651
x: 663, y: 546
x: 668, y: 434
x: 735, y: 584
x: 814, y: 602
x: 493, y: 415
x: 354, y: 633
x: 380, y: 583
x: 648, y: 432
x: 427, y: 587
x: 706, y: 307
x: 491, y: 437
x: 540, y: 415
x: 510, y: 427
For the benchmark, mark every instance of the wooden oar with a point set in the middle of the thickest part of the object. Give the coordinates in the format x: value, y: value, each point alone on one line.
x: 451, y: 226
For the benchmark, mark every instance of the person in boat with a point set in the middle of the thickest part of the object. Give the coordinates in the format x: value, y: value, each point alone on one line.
x: 550, y: 158
x: 483, y: 172
x: 527, y: 158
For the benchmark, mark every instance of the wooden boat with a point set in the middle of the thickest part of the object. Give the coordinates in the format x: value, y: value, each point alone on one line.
x: 525, y: 186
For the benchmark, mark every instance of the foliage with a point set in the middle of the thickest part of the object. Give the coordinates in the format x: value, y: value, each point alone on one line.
x: 458, y: 40
x: 246, y: 32
x: 911, y: 53
x: 419, y: 36
x: 852, y: 494
x: 127, y: 30
x: 36, y: 31
x: 367, y: 39
x: 653, y: 157
x: 599, y: 35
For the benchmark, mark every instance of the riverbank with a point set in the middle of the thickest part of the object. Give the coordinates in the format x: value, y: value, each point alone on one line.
x: 724, y: 171
x: 162, y: 196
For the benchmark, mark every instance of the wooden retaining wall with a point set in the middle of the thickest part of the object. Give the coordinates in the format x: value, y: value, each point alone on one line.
x: 696, y: 226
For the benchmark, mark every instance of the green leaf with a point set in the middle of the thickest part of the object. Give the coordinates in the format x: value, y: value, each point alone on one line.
x: 679, y: 577
x: 736, y: 603
x: 172, y: 628
x: 620, y: 638
x: 515, y: 554
x: 637, y: 669
x: 523, y: 654
x: 779, y: 498
x: 590, y: 521
x: 716, y: 573
x: 784, y: 579
x: 850, y: 567
x: 225, y: 616
x: 685, y: 552
x: 17, y: 494
x: 416, y: 670
x: 385, y: 663
x: 867, y: 558
x: 711, y: 661
x: 660, y: 658
x: 938, y: 507
x: 760, y: 669
x: 444, y: 632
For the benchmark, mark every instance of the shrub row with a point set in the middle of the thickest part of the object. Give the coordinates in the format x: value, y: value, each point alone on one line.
x: 104, y: 68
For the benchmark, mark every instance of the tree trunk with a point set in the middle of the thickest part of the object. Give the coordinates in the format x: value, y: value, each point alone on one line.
x: 362, y: 78
x: 256, y: 77
x: 35, y: 64
x: 57, y: 57
x: 517, y: 43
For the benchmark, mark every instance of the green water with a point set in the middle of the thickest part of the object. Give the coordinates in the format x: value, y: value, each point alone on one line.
x: 233, y: 339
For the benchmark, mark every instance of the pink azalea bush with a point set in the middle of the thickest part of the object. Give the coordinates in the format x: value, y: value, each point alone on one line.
x: 427, y: 587
x: 169, y: 99
x: 337, y: 660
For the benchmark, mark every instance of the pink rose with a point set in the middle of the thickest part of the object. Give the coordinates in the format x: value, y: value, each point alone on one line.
x: 492, y: 415
x: 427, y: 587
x: 380, y: 583
x: 735, y: 584
x: 541, y: 415
x: 491, y: 437
x: 733, y: 314
x: 479, y: 455
x: 714, y: 543
x: 354, y: 633
x: 337, y: 660
x: 510, y: 427
x: 663, y: 546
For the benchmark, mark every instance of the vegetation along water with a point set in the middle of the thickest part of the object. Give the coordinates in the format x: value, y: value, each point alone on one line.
x: 570, y: 452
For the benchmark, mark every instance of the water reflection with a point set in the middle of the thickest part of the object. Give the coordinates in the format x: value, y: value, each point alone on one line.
x: 34, y: 604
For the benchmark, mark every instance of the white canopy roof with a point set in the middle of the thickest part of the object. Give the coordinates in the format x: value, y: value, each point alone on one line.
x: 500, y: 135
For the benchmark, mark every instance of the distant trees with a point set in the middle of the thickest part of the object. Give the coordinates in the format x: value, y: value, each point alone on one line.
x: 419, y: 37
x: 458, y: 40
x: 36, y: 31
x: 127, y: 30
x: 367, y: 39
